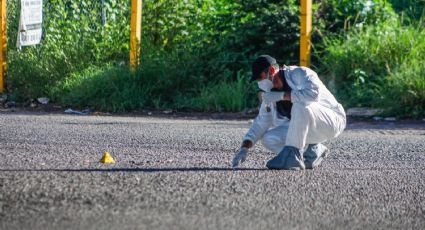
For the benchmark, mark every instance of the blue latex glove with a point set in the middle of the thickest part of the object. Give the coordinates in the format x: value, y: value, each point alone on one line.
x: 239, y: 157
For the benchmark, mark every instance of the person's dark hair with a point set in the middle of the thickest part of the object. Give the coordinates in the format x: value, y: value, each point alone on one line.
x: 261, y: 64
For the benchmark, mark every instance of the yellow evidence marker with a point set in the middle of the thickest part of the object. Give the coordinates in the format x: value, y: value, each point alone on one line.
x: 107, y: 159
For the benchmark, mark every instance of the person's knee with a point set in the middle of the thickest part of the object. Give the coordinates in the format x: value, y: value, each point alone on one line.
x: 301, y: 110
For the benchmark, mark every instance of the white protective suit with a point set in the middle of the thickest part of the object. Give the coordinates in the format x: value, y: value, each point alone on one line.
x: 316, y: 116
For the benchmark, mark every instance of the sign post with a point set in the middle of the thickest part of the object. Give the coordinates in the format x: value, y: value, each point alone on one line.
x: 30, y: 23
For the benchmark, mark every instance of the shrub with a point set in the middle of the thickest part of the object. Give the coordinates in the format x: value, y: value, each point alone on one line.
x: 335, y: 16
x: 106, y: 88
x: 361, y: 64
x: 27, y: 78
x: 118, y: 89
x: 412, y: 10
x: 225, y: 95
x: 404, y: 95
x: 74, y: 38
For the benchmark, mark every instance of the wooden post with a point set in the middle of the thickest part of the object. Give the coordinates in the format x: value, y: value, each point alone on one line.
x: 3, y: 45
x: 305, y: 38
x: 135, y: 32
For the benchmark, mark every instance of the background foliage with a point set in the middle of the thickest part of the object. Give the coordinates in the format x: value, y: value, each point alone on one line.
x: 74, y: 38
x: 196, y: 54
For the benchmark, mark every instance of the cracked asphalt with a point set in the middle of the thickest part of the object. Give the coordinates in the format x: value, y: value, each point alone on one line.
x: 173, y: 173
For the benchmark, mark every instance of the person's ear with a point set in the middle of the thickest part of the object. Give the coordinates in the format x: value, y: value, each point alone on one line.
x: 272, y: 69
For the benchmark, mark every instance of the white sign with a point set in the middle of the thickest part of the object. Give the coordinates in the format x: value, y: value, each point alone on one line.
x: 30, y: 23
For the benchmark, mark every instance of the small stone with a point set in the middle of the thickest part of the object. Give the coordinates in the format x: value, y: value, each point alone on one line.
x: 98, y: 113
x: 376, y: 118
x: 86, y: 111
x: 252, y: 111
x: 71, y: 111
x: 33, y: 105
x: 137, y: 179
x: 249, y: 111
x: 43, y: 100
x: 3, y: 98
x: 390, y: 119
x: 149, y: 113
x: 9, y: 104
x: 168, y: 111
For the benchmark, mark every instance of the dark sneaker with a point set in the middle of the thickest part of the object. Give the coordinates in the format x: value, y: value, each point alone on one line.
x: 289, y: 158
x: 314, y: 155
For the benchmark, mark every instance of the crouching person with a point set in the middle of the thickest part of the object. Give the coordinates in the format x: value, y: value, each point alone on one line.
x: 296, y: 115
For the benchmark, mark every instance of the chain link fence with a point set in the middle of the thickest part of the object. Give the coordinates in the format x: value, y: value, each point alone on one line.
x: 76, y: 34
x: 99, y: 25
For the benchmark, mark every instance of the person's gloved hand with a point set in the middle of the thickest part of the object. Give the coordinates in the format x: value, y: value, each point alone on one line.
x: 240, y: 157
x: 271, y: 97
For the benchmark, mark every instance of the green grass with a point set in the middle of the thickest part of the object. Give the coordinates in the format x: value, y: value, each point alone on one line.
x: 108, y: 89
x: 117, y: 89
x: 368, y: 66
x: 226, y: 95
x: 405, y: 94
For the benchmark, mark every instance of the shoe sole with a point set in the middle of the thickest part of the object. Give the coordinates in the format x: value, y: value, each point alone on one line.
x: 295, y: 168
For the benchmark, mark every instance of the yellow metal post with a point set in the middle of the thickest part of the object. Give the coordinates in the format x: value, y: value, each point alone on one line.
x: 3, y: 45
x: 305, y: 38
x: 135, y: 32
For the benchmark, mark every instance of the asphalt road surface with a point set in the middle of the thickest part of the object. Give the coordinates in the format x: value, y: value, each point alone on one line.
x: 173, y: 173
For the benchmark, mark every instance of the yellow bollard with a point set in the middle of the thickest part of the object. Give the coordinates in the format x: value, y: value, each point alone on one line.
x: 305, y: 33
x: 3, y: 45
x: 135, y: 32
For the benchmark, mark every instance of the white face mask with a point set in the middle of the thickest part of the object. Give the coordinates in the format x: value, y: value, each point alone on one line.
x: 266, y: 84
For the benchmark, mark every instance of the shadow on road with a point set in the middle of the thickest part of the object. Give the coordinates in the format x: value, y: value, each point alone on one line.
x: 191, y: 169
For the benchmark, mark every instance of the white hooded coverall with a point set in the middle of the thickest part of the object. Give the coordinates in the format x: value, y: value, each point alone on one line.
x: 316, y: 116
